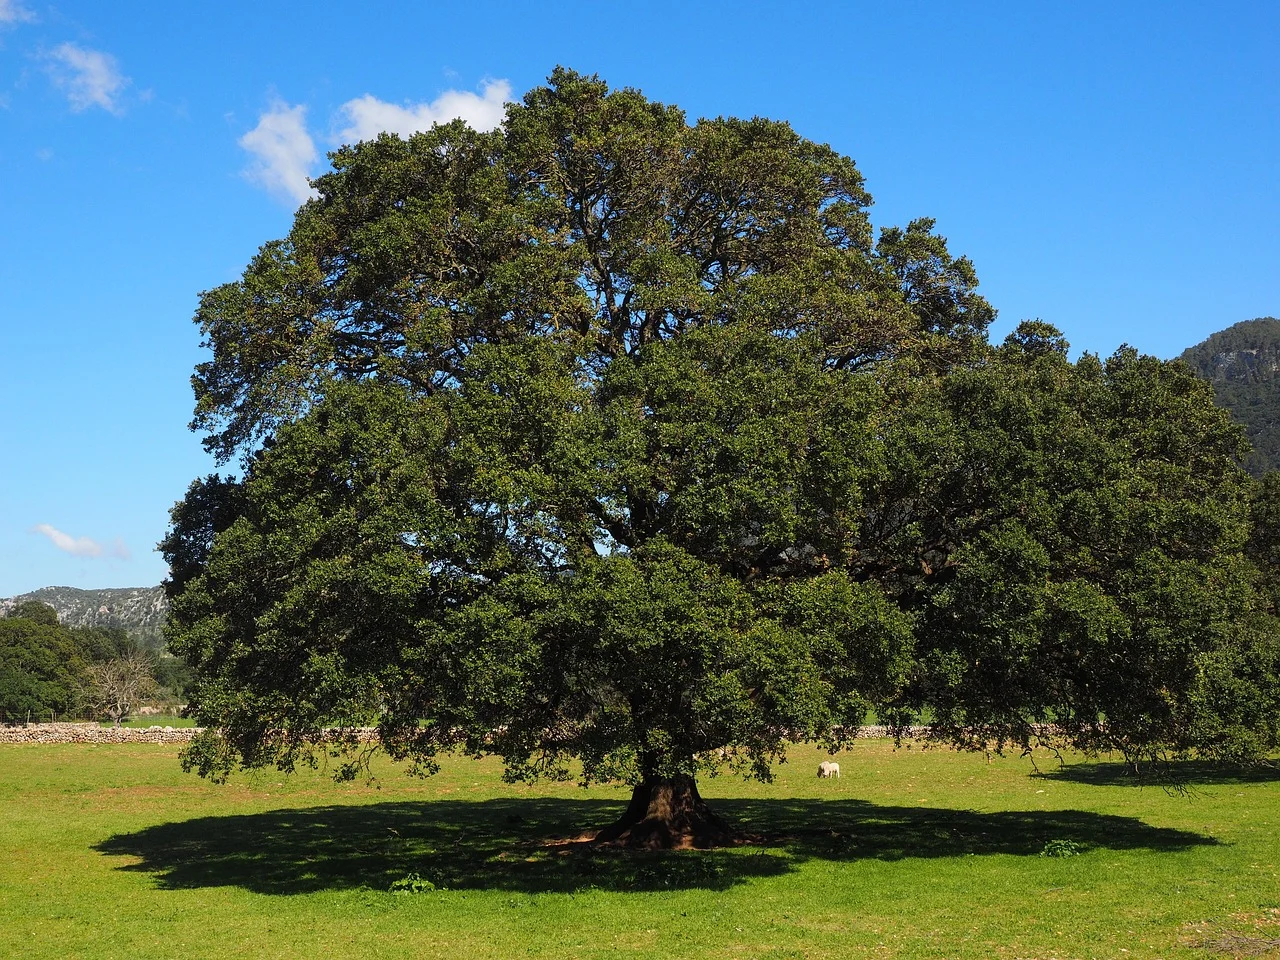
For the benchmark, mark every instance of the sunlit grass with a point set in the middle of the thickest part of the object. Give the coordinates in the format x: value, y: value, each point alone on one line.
x: 111, y: 851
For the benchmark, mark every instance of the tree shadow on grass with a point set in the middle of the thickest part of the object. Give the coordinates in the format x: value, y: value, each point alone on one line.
x: 1174, y: 774
x: 519, y: 844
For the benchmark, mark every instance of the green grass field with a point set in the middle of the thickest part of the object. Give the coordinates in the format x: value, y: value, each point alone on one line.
x: 113, y: 852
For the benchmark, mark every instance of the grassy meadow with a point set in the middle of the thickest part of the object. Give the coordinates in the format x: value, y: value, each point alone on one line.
x: 111, y: 851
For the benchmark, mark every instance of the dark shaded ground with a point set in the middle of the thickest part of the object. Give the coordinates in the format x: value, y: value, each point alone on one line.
x: 512, y: 844
x: 1177, y: 775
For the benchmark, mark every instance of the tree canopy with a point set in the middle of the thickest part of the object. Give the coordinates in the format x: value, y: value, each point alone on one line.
x: 620, y: 446
x: 40, y: 664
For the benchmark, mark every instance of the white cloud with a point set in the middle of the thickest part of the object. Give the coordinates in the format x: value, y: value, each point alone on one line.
x: 81, y: 546
x: 11, y: 11
x: 283, y: 151
x: 77, y: 546
x: 89, y: 78
x: 368, y: 116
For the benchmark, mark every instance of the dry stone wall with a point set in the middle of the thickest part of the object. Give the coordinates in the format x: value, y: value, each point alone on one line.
x: 93, y: 733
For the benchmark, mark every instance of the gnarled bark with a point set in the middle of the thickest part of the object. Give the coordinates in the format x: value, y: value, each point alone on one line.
x: 665, y: 814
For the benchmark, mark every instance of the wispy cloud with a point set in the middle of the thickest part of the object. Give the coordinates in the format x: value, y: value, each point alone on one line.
x: 89, y: 78
x: 283, y: 151
x: 368, y: 116
x: 82, y: 546
x: 11, y: 11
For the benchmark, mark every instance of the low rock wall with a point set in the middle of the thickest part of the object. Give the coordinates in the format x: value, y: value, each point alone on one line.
x: 93, y: 733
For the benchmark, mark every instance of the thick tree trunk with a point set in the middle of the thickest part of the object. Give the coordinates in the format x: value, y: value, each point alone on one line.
x: 666, y: 814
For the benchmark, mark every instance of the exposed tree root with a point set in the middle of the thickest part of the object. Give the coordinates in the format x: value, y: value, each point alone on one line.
x: 667, y: 815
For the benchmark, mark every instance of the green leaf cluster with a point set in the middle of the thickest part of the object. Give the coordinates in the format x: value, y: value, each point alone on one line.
x: 1100, y: 582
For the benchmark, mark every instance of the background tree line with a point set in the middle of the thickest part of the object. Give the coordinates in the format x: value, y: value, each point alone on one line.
x: 49, y: 670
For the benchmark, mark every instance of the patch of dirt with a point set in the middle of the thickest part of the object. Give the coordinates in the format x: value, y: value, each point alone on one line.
x: 1235, y: 943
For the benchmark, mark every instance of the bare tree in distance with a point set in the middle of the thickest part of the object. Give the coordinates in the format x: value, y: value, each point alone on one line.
x: 115, y: 687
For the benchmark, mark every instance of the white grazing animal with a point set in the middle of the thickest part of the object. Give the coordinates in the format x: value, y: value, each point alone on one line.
x: 827, y: 769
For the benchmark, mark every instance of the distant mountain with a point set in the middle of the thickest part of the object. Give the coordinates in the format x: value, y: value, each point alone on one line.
x: 139, y: 610
x: 1243, y: 363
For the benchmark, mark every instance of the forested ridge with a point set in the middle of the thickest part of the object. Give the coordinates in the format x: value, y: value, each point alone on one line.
x: 138, y: 611
x: 1243, y: 364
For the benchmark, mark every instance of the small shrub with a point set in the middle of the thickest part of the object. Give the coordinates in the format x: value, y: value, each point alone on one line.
x: 1061, y: 848
x: 412, y: 883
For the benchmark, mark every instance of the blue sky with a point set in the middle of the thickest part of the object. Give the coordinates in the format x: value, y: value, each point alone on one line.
x: 1109, y: 167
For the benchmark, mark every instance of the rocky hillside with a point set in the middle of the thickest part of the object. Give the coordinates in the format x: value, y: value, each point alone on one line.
x: 1243, y: 362
x: 139, y: 610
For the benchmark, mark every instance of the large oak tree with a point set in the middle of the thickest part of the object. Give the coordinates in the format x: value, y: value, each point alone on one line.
x: 618, y: 446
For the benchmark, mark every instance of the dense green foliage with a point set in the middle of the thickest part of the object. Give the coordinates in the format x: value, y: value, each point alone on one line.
x: 40, y: 664
x: 609, y: 438
x: 1101, y: 582
x: 1243, y: 363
